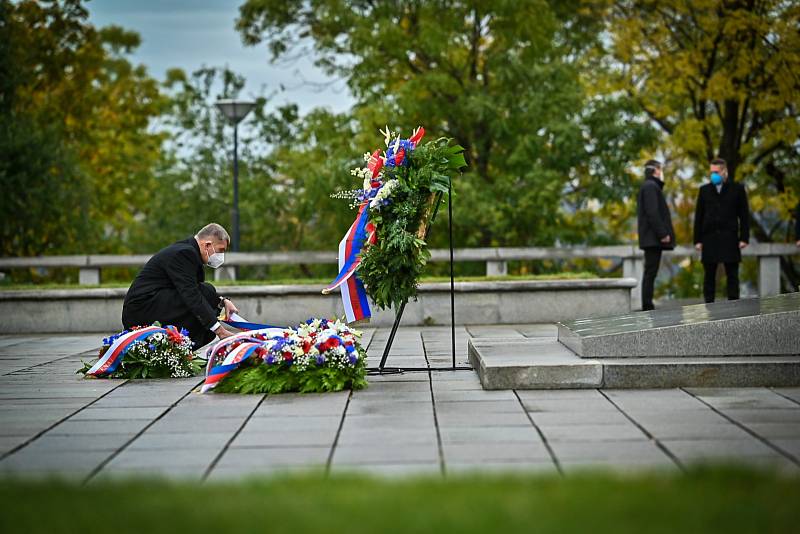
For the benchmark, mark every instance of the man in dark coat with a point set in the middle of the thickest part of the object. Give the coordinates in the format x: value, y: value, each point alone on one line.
x: 721, y: 228
x: 171, y: 288
x: 797, y: 224
x: 655, y: 227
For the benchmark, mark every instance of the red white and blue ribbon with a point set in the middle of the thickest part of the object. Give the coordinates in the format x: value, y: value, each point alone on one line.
x: 113, y: 356
x: 237, y: 321
x: 231, y: 362
x: 354, y: 295
x: 248, y: 347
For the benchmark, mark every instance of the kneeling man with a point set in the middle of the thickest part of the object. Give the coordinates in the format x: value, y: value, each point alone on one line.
x: 171, y: 288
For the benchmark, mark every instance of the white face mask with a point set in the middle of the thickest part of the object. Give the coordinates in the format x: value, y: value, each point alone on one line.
x: 216, y: 259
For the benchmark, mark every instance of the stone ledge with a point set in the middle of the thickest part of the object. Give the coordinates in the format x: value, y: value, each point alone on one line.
x: 511, y: 302
x: 546, y: 364
x: 304, y: 289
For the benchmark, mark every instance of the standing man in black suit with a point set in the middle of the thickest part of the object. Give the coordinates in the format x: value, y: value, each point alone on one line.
x: 797, y: 224
x: 655, y: 227
x: 721, y: 228
x: 171, y: 288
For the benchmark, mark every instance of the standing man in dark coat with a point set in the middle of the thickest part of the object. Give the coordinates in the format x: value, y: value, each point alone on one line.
x: 655, y: 227
x: 721, y: 228
x: 797, y: 224
x: 171, y: 288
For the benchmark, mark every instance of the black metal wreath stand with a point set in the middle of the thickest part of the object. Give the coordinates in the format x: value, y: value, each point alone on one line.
x: 382, y: 369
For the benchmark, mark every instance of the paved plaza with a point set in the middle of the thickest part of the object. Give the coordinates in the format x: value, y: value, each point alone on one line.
x: 54, y: 422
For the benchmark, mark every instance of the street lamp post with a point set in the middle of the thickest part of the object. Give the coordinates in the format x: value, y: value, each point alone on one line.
x: 235, y: 111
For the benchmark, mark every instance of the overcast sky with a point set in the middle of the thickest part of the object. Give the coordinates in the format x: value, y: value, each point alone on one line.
x: 189, y: 34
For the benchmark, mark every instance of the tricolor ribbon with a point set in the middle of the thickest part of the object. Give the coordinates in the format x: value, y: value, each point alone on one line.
x: 237, y: 321
x: 231, y: 362
x: 354, y: 295
x: 111, y: 359
x: 249, y: 344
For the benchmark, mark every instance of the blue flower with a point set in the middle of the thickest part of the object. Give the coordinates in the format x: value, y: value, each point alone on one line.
x: 391, y: 156
x: 353, y: 359
x: 151, y: 346
x: 320, y: 359
x: 184, y: 332
x: 271, y: 359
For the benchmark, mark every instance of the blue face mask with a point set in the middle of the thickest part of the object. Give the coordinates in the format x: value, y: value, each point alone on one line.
x: 716, y: 178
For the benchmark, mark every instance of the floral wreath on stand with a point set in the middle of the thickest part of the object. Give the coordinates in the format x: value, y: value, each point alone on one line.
x: 400, y: 191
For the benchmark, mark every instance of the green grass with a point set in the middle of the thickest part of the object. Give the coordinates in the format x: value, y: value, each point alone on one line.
x: 718, y: 500
x: 312, y: 281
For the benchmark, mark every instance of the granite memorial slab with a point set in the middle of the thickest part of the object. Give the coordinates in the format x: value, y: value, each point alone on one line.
x: 767, y: 326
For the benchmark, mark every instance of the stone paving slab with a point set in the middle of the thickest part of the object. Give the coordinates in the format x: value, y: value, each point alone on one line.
x: 53, y: 422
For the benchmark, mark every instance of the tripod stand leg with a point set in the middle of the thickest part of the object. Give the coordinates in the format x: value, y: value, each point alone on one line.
x: 389, y: 342
x: 452, y: 278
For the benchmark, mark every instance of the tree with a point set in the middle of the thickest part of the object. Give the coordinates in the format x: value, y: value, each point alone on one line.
x: 720, y: 78
x: 76, y: 154
x: 502, y: 78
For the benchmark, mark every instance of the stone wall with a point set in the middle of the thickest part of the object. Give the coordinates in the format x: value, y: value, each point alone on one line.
x: 99, y: 310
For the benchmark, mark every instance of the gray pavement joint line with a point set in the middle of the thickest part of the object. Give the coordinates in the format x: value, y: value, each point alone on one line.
x: 747, y: 429
x: 125, y: 445
x: 778, y: 393
x: 219, y: 456
x: 642, y: 429
x: 547, y: 446
x: 51, y: 427
x: 338, y: 433
x: 85, y: 353
x: 442, y: 467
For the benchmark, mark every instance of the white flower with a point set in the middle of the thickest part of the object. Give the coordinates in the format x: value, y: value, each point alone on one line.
x: 384, y: 193
x: 387, y: 135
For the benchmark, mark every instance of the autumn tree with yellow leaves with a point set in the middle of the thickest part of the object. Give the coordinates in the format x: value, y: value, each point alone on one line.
x: 721, y: 78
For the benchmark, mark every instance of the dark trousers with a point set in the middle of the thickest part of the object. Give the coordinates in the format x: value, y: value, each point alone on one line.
x: 168, y: 308
x: 710, y: 280
x: 652, y: 260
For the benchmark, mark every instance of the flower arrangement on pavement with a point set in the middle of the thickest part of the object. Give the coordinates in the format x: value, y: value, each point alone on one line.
x: 145, y: 352
x: 316, y: 356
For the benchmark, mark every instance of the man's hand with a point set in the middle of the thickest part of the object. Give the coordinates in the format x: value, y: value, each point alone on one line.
x: 230, y: 308
x: 742, y: 244
x: 666, y: 239
x: 222, y: 332
x: 698, y: 246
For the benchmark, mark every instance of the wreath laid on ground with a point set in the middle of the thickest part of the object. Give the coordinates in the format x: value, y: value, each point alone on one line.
x: 145, y: 352
x: 316, y: 356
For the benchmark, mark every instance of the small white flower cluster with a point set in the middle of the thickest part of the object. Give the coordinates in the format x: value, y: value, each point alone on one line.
x: 158, y: 352
x: 383, y: 195
x: 362, y: 173
x: 345, y: 195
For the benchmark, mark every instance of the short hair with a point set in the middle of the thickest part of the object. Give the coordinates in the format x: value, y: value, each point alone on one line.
x: 214, y: 231
x: 650, y: 167
x: 720, y: 162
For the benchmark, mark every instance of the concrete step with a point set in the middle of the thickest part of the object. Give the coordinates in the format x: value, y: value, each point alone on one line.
x: 765, y: 326
x: 548, y: 364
